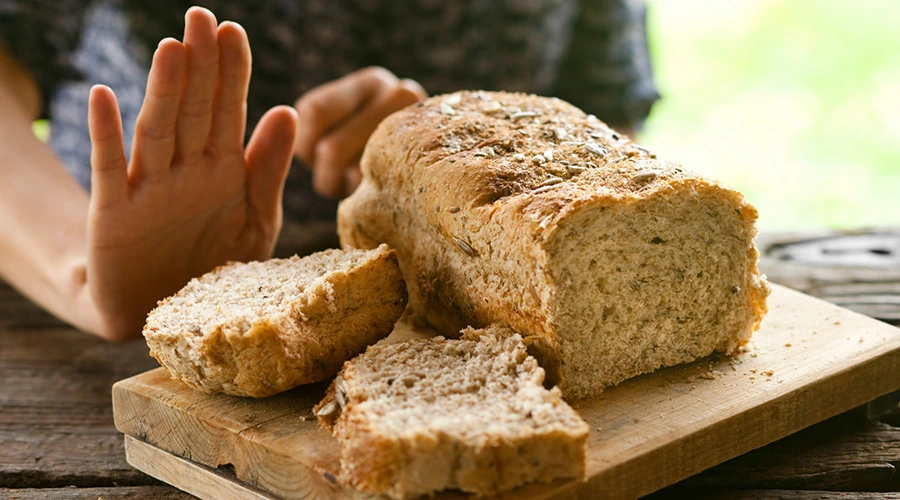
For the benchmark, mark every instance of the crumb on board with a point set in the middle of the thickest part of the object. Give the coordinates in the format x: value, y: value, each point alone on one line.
x: 837, y: 322
x: 768, y: 373
x: 861, y: 340
x: 787, y: 344
x: 750, y: 347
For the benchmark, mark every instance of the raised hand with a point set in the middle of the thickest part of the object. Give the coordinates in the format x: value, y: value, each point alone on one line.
x: 192, y: 196
x: 337, y: 118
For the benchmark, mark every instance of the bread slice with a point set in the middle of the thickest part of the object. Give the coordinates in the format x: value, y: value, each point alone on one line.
x: 524, y: 211
x: 260, y: 328
x: 422, y: 416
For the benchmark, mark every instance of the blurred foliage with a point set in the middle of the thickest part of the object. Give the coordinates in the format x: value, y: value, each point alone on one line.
x: 794, y: 102
x: 41, y: 129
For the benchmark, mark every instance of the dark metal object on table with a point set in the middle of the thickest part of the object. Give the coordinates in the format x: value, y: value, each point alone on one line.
x: 858, y: 270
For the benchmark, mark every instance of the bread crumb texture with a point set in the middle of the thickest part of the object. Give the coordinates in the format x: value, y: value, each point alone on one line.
x: 421, y: 416
x: 259, y: 328
x: 524, y: 211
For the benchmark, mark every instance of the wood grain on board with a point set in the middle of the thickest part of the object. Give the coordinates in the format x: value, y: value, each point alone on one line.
x: 810, y: 360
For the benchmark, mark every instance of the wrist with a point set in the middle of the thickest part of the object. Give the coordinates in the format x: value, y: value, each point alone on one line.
x: 83, y: 314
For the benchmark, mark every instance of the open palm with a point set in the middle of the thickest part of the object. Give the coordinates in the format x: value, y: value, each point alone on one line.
x: 193, y: 196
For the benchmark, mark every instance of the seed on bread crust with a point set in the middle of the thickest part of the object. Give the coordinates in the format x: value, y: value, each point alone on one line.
x: 465, y: 247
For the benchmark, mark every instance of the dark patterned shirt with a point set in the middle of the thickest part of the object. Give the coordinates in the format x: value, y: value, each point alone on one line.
x: 592, y: 53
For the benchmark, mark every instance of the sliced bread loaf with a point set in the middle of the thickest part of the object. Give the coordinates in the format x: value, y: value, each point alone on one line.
x: 259, y: 328
x: 523, y: 210
x: 422, y: 416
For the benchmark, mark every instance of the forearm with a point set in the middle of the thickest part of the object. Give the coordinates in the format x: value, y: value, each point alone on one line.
x: 43, y: 220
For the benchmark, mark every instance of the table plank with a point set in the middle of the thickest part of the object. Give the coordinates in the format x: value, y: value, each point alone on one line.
x: 123, y: 493
x: 56, y: 426
x: 778, y: 494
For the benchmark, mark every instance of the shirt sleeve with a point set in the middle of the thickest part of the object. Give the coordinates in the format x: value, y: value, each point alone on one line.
x: 42, y: 35
x: 606, y: 70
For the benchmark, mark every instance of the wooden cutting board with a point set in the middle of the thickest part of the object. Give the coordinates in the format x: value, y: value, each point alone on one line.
x: 809, y: 361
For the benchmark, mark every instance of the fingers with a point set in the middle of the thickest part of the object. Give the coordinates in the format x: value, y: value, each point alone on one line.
x: 154, y: 142
x: 341, y: 148
x: 352, y: 178
x: 109, y: 169
x: 230, y: 105
x: 328, y: 105
x: 195, y: 113
x: 414, y: 87
x: 268, y: 159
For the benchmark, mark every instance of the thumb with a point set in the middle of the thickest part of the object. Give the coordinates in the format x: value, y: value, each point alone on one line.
x: 268, y: 158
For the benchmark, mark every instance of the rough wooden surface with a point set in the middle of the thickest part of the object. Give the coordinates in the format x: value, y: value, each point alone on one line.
x: 859, y: 270
x: 56, y: 424
x: 810, y: 360
x: 56, y: 427
x: 121, y: 493
x: 192, y: 477
x: 778, y: 495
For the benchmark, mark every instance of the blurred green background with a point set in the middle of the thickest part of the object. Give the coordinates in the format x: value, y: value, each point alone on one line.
x: 796, y: 103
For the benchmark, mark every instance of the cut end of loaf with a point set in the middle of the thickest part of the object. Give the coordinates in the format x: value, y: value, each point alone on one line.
x: 664, y: 280
x: 258, y: 328
x: 422, y: 416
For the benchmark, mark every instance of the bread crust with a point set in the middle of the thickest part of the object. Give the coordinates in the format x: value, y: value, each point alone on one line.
x: 306, y: 341
x: 475, y: 190
x: 428, y: 457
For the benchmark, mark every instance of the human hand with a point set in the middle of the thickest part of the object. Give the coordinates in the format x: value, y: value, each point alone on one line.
x: 193, y: 197
x: 337, y: 118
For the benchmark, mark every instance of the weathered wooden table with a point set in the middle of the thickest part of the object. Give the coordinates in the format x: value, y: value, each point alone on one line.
x: 57, y: 438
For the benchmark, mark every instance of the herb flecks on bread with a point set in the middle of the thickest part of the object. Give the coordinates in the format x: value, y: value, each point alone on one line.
x: 524, y: 211
x: 259, y: 328
x: 422, y: 416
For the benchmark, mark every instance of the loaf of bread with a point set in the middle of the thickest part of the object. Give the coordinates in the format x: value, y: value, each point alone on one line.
x: 422, y: 416
x: 524, y: 211
x: 260, y: 328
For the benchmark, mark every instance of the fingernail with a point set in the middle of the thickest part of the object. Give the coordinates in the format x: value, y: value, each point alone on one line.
x: 200, y: 9
x: 231, y: 23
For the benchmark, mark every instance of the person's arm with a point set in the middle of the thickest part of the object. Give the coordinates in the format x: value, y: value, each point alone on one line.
x: 190, y: 198
x: 43, y: 210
